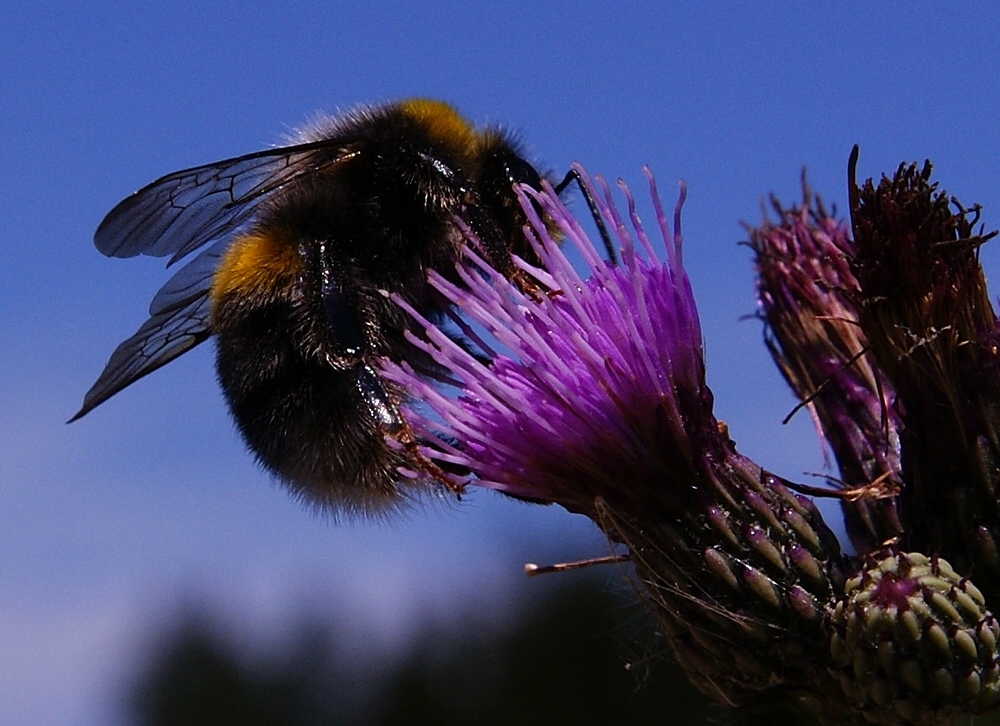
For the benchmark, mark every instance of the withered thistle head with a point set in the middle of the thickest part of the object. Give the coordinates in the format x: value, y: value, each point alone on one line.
x: 926, y: 314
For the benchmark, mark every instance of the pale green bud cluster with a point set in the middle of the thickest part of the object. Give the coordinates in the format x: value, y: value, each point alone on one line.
x: 914, y: 643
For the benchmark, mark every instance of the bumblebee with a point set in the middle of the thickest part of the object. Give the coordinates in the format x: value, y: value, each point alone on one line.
x: 298, y: 250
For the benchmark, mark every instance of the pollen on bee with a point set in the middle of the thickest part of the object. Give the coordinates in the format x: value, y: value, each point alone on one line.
x: 255, y: 262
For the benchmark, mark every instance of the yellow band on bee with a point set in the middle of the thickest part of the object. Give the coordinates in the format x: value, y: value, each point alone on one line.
x: 255, y: 262
x: 443, y: 122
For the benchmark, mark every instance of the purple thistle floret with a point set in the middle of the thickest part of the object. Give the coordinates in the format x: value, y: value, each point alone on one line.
x: 604, y: 378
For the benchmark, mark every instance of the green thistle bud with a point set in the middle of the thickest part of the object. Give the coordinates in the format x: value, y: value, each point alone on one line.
x: 913, y: 642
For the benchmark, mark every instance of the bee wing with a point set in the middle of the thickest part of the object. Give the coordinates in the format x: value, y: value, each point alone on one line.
x: 179, y: 320
x: 176, y: 215
x: 180, y: 212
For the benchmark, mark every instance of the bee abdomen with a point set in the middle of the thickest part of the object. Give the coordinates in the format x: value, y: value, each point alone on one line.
x: 298, y: 407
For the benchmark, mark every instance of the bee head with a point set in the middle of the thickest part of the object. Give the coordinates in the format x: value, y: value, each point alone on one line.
x: 501, y: 165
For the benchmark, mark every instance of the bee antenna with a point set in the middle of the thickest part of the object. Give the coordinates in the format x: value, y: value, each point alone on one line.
x: 574, y: 175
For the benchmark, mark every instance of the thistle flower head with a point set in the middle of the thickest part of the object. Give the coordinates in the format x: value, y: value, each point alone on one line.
x: 593, y: 396
x: 599, y: 381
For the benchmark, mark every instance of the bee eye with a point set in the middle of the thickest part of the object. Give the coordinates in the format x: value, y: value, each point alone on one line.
x: 521, y: 172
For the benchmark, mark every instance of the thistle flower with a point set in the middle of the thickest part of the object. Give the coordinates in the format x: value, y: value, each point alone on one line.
x: 592, y: 395
x: 807, y: 296
x: 603, y: 379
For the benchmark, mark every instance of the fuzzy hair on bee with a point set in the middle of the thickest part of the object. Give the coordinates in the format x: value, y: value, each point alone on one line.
x: 292, y: 254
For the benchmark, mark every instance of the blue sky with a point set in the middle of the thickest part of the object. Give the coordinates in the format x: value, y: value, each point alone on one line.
x: 150, y: 501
